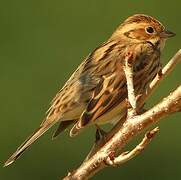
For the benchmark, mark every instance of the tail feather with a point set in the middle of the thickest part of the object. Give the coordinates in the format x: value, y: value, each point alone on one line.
x: 41, y: 130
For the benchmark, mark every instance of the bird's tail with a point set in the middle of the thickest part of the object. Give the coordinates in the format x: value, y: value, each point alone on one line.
x: 41, y: 130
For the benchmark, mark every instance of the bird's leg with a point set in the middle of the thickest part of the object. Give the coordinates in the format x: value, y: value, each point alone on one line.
x: 100, y: 134
x: 100, y: 140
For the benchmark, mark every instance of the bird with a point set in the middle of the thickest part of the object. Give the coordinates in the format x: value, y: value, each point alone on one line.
x: 96, y: 92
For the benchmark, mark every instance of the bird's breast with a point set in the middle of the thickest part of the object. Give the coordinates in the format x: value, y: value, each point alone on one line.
x: 145, y: 69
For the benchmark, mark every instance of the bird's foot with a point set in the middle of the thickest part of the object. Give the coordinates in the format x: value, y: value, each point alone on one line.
x: 100, y: 140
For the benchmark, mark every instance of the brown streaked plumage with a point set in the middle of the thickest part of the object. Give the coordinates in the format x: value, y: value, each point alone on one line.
x: 96, y: 92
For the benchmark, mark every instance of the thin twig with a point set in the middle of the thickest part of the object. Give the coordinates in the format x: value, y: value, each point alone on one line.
x: 128, y: 70
x: 126, y: 156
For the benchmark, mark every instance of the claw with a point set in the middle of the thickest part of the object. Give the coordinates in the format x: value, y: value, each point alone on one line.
x: 100, y: 134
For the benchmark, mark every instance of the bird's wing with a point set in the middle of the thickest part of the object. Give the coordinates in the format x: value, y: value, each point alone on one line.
x: 110, y: 92
x: 72, y: 99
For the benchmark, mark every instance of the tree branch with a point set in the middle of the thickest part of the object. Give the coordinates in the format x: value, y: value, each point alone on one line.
x: 120, y: 135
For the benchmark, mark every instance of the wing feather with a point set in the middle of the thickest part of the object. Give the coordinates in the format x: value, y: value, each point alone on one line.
x: 103, y: 100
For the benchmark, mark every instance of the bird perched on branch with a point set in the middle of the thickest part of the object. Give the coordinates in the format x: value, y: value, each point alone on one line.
x: 96, y: 92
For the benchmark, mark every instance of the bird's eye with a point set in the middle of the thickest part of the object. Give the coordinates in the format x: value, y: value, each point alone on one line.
x: 150, y: 30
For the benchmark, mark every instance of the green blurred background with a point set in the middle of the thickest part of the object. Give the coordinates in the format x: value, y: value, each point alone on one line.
x: 41, y: 44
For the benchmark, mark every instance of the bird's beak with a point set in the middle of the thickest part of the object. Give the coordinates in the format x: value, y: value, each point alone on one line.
x: 167, y: 34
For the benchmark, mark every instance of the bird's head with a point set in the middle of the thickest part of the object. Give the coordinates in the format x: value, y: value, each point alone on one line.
x: 141, y: 28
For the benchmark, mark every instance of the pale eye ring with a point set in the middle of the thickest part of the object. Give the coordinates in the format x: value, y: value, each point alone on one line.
x: 149, y: 30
